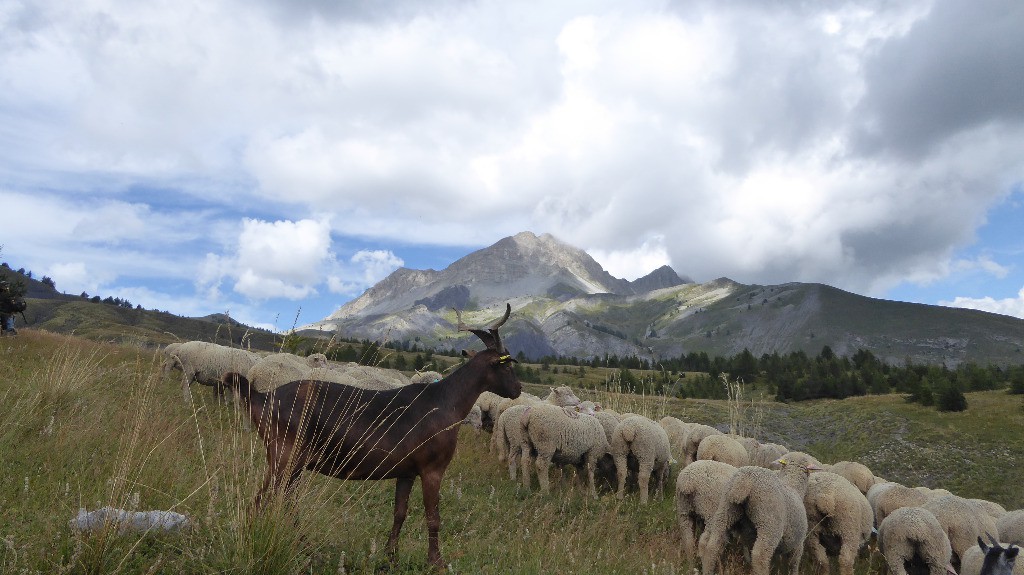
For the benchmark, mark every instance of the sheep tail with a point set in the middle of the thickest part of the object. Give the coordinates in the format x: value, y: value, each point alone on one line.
x: 628, y: 432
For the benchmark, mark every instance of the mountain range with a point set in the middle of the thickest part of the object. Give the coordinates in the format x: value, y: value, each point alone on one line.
x: 564, y: 303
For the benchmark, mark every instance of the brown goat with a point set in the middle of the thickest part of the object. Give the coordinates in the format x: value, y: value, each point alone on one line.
x: 352, y: 433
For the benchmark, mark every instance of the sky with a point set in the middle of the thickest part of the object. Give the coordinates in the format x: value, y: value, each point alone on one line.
x: 273, y: 159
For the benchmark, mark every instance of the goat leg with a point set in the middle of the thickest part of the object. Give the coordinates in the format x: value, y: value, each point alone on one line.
x: 403, y: 486
x: 431, y: 483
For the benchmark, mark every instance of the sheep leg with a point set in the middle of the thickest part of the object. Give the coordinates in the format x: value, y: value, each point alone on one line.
x: 513, y: 461
x: 403, y: 486
x: 712, y: 541
x: 761, y: 557
x: 847, y: 557
x: 621, y: 470
x: 526, y: 461
x: 643, y: 479
x: 431, y: 483
x: 543, y: 464
x: 818, y: 554
x: 687, y: 526
x: 591, y: 463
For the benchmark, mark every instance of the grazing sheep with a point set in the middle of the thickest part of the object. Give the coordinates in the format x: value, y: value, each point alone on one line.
x: 488, y: 403
x: 507, y: 437
x: 474, y: 418
x: 763, y: 504
x: 647, y: 442
x: 698, y: 488
x: 563, y: 436
x: 891, y: 496
x: 912, y: 538
x: 748, y: 443
x: 277, y: 369
x: 354, y: 377
x: 723, y: 448
x: 693, y: 438
x: 1003, y: 559
x: 1011, y: 527
x: 767, y: 454
x: 426, y: 377
x: 856, y: 473
x: 676, y: 430
x: 204, y: 362
x: 991, y: 508
x: 962, y: 522
x: 506, y: 440
x: 378, y: 378
x: 839, y: 520
x: 170, y: 358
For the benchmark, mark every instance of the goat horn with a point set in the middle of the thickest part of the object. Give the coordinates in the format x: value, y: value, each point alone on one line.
x: 501, y: 322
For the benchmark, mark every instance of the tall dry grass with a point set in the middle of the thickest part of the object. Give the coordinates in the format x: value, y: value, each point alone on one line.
x: 87, y: 425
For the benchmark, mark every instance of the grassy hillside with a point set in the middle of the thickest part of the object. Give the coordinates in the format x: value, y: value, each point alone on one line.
x: 90, y: 423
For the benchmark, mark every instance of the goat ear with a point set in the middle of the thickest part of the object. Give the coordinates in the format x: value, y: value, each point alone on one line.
x: 468, y: 353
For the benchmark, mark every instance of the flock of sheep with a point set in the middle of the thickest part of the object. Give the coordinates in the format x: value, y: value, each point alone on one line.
x: 204, y: 362
x: 757, y: 501
x: 734, y: 495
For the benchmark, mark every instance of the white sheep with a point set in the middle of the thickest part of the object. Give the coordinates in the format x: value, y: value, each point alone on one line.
x: 839, y: 520
x: 724, y: 448
x: 204, y: 362
x: 370, y: 377
x: 693, y: 438
x: 609, y: 419
x: 274, y: 370
x: 962, y: 522
x: 856, y: 473
x: 698, y: 488
x: 889, y: 497
x: 506, y: 440
x: 765, y: 502
x: 474, y: 418
x: 1011, y: 527
x: 912, y: 535
x: 748, y: 443
x: 488, y: 403
x: 563, y: 436
x: 1003, y: 562
x: 426, y: 377
x: 647, y: 442
x: 993, y: 509
x: 767, y: 454
x: 676, y: 430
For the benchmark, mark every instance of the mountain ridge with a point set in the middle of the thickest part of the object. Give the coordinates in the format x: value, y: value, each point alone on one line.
x: 564, y: 303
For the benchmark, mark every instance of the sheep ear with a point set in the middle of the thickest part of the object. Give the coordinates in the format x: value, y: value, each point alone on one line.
x: 981, y: 544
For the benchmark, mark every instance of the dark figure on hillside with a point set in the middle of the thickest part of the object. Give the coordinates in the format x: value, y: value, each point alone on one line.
x: 10, y: 304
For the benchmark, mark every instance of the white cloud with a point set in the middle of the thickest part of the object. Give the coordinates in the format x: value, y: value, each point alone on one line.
x: 1008, y: 306
x: 635, y: 263
x: 367, y: 267
x: 272, y: 259
x: 752, y: 140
